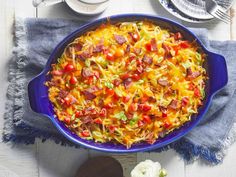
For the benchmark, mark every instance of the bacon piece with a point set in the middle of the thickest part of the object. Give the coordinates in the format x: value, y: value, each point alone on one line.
x: 153, y: 44
x: 127, y: 82
x: 191, y: 74
x: 86, y: 119
x: 167, y: 51
x: 93, y: 89
x: 78, y: 46
x: 62, y: 93
x: 88, y: 95
x: 152, y: 99
x: 163, y: 109
x: 86, y: 72
x: 119, y: 39
x: 137, y: 51
x: 127, y: 50
x: 83, y: 56
x: 162, y: 82
x: 148, y: 60
x: 173, y: 104
x: 98, y: 48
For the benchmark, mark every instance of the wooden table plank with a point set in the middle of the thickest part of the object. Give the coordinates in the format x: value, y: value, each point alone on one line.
x: 19, y: 160
x: 233, y: 22
x: 59, y: 161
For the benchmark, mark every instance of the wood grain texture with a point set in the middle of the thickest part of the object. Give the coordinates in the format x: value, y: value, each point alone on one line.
x: 233, y: 22
x: 20, y: 160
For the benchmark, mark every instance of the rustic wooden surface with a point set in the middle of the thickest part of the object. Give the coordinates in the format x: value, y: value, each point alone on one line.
x: 51, y: 160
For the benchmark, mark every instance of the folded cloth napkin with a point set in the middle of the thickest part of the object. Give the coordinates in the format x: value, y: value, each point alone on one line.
x: 35, y: 40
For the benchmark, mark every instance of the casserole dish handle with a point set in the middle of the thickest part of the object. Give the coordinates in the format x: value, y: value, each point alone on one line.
x: 217, y: 69
x: 38, y: 95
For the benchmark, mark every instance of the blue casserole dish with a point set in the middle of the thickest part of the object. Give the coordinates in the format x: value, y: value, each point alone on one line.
x: 38, y: 93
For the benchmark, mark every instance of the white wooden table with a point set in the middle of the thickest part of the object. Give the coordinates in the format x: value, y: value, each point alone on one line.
x: 51, y: 160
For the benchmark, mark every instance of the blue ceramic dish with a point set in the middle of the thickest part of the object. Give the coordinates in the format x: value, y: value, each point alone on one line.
x: 38, y: 93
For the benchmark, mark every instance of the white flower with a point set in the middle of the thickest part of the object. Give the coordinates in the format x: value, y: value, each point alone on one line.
x: 146, y: 168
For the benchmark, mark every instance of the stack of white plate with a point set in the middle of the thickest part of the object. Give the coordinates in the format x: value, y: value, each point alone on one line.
x: 191, y: 10
x: 85, y: 7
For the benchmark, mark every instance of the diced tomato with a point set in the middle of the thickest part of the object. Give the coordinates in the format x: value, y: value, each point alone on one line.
x: 116, y: 82
x: 67, y: 120
x: 133, y: 107
x: 197, y: 92
x: 167, y: 124
x: 85, y: 133
x: 144, y: 99
x: 125, y: 76
x: 57, y: 72
x: 116, y: 97
x: 140, y: 69
x: 103, y: 112
x: 110, y: 57
x: 73, y: 80
x: 147, y: 119
x: 78, y: 113
x: 96, y: 74
x: 112, y: 128
x: 184, y: 101
x: 136, y: 77
x: 139, y: 61
x: 67, y: 100
x: 144, y: 107
x: 126, y: 98
x: 178, y: 36
x: 119, y: 53
x: 184, y: 44
x: 148, y: 47
x: 108, y: 106
x: 69, y: 68
x: 176, y: 49
x: 134, y: 36
x: 105, y: 51
x: 110, y: 92
x: 90, y: 80
x: 98, y: 121
x: 140, y: 123
x: 191, y: 86
x: 164, y: 114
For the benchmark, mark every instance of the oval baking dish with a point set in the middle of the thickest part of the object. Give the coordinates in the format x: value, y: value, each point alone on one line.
x: 215, y: 66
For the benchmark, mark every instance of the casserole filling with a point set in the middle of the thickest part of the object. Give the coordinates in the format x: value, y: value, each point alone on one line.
x: 127, y: 83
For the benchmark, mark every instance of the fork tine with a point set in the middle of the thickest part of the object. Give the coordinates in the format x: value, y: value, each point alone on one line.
x: 223, y: 2
x: 223, y: 17
x: 219, y: 16
x: 223, y: 14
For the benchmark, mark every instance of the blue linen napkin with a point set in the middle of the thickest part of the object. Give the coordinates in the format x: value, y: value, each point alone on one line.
x: 34, y: 41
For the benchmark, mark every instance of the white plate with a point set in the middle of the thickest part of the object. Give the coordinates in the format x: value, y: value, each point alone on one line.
x: 196, y: 8
x: 85, y: 8
x: 171, y: 8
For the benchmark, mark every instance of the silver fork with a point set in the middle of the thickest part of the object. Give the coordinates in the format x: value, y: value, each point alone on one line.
x: 214, y: 9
